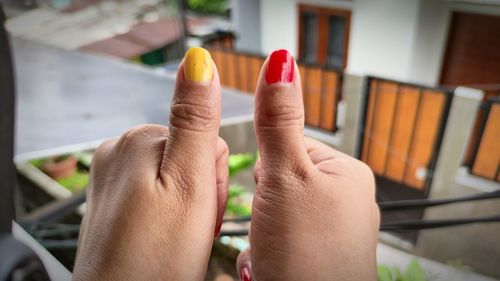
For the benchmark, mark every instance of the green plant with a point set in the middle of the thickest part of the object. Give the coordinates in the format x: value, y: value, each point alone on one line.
x: 37, y: 162
x: 235, y: 203
x: 240, y: 162
x: 208, y: 6
x: 413, y: 272
x: 75, y: 182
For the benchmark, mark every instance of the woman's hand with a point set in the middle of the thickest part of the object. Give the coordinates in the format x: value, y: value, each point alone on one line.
x: 314, y: 213
x: 156, y: 195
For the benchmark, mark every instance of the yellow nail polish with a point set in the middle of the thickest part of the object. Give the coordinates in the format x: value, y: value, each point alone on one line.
x: 198, y: 65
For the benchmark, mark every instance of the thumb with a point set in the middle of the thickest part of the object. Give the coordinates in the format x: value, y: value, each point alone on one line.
x: 194, y: 117
x: 244, y: 266
x: 279, y: 111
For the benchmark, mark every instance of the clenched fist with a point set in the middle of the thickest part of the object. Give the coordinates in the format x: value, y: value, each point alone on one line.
x: 157, y: 195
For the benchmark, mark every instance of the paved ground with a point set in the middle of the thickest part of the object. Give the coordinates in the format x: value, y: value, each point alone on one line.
x: 66, y: 98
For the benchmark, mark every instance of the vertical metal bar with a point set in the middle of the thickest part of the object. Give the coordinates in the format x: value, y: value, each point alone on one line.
x: 321, y: 95
x: 362, y: 120
x: 7, y: 107
x: 391, y: 131
x: 338, y: 96
x: 497, y: 175
x: 487, y: 108
x: 237, y: 70
x: 374, y: 121
x: 412, y: 135
x: 304, y: 94
x: 437, y: 145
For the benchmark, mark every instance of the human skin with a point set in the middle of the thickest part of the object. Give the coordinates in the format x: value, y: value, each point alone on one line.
x: 314, y: 215
x: 157, y: 195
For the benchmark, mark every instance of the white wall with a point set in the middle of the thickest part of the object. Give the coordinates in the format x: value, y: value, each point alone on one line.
x: 246, y: 23
x: 429, y: 42
x: 398, y: 39
x: 381, y: 38
x: 279, y: 25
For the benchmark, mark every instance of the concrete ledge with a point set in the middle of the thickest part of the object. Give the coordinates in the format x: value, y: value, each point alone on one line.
x: 332, y: 139
x: 464, y: 178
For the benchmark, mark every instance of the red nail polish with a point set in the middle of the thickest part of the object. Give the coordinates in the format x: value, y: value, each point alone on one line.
x: 280, y: 67
x: 217, y: 230
x: 245, y: 274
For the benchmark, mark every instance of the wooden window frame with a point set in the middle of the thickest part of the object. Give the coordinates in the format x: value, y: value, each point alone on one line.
x: 323, y: 13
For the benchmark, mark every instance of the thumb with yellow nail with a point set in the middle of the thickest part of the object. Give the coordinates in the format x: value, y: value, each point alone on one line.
x: 157, y: 194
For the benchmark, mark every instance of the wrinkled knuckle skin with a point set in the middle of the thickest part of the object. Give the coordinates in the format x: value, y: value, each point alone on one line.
x: 195, y: 117
x: 102, y: 150
x: 137, y: 135
x: 281, y: 116
x: 102, y: 154
x: 292, y: 179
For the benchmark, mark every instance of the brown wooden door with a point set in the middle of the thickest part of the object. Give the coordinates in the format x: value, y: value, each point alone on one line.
x: 473, y: 59
x: 473, y: 51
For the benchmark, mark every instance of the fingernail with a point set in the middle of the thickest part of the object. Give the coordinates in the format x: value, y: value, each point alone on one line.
x: 280, y: 67
x: 198, y: 65
x: 217, y: 230
x: 245, y: 274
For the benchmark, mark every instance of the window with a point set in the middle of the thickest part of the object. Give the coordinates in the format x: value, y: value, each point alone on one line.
x: 335, y: 51
x: 309, y: 44
x: 323, y: 35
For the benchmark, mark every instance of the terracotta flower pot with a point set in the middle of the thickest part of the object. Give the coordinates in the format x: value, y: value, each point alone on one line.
x: 60, y: 169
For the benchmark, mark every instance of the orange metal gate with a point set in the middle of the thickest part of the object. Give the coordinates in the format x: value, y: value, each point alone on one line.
x: 402, y: 130
x: 486, y: 155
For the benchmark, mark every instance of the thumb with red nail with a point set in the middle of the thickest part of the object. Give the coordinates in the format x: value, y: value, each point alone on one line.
x: 314, y: 215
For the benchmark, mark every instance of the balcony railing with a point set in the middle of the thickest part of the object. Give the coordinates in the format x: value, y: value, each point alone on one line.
x: 321, y: 85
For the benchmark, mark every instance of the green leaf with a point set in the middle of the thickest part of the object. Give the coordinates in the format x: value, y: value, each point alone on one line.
x: 37, y: 162
x: 234, y: 205
x: 238, y: 210
x: 236, y: 190
x: 208, y: 6
x: 383, y: 273
x: 240, y: 162
x: 396, y: 273
x: 75, y: 182
x: 414, y: 272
